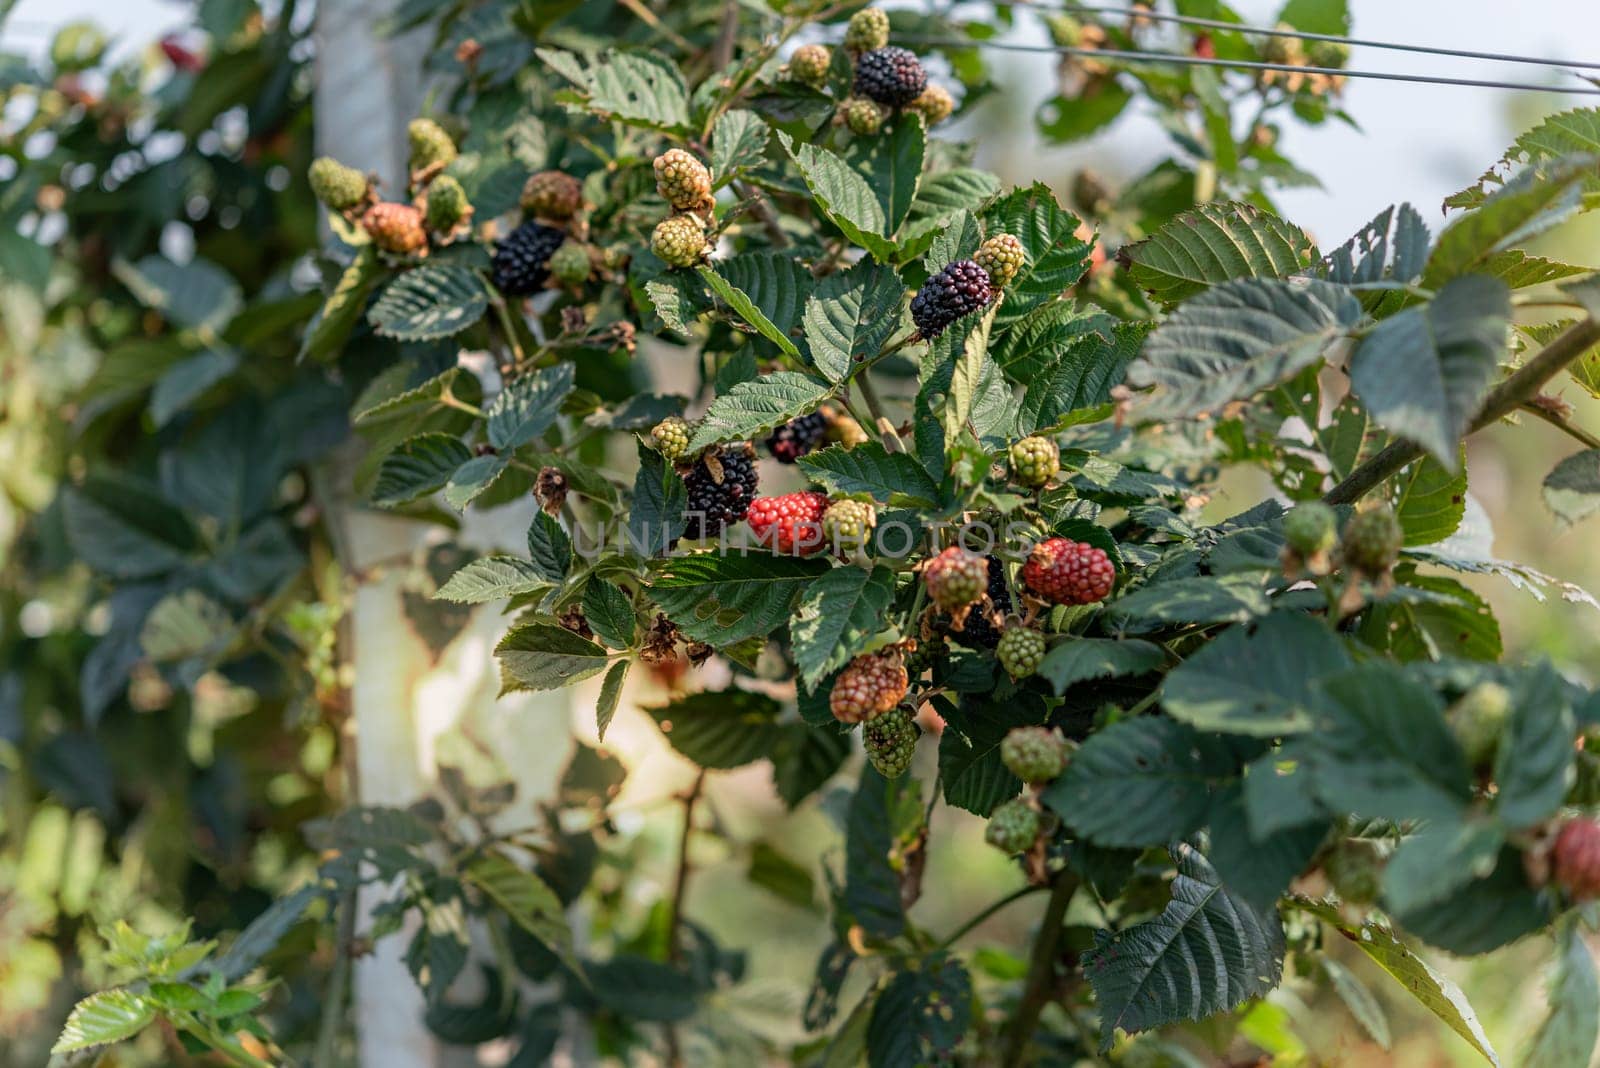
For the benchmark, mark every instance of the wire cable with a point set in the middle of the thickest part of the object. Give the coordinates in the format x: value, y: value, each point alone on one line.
x: 1202, y: 61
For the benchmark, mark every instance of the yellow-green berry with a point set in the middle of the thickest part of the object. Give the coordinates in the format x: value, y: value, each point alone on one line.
x: 1020, y: 651
x: 934, y: 105
x: 1034, y: 754
x: 1478, y: 719
x: 430, y: 145
x: 552, y: 195
x: 1328, y: 54
x: 1013, y: 827
x: 1003, y: 257
x: 671, y: 437
x: 891, y: 741
x: 447, y: 204
x: 864, y: 117
x: 809, y: 65
x: 335, y: 185
x: 846, y: 524
x: 868, y: 29
x: 1372, y: 541
x: 679, y: 240
x: 570, y: 264
x: 1034, y: 461
x: 682, y: 179
x: 1310, y: 528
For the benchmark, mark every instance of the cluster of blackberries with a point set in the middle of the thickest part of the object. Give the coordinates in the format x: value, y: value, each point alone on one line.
x: 717, y: 503
x: 958, y: 290
x: 521, y: 262
x: 797, y: 437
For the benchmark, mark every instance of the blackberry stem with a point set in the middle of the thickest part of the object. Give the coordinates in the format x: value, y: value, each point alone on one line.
x: 1041, y: 971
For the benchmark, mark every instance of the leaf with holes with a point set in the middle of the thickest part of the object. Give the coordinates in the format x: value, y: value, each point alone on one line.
x: 724, y: 599
x: 836, y: 614
x: 436, y: 300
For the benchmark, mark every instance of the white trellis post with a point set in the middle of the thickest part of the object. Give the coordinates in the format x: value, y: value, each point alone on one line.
x: 403, y: 704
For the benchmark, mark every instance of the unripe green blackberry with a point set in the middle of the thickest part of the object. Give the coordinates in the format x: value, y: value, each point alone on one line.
x: 1013, y: 827
x: 1034, y: 461
x: 679, y: 240
x: 1328, y: 53
x: 1372, y: 541
x: 863, y: 117
x: 570, y: 264
x: 846, y: 524
x: 891, y: 741
x: 1034, y: 754
x: 1003, y: 257
x: 552, y: 195
x: 1021, y: 651
x: 447, y: 204
x: 671, y: 437
x: 1355, y: 870
x: 335, y: 185
x: 1065, y: 31
x: 934, y: 105
x: 1310, y: 528
x: 868, y: 29
x: 931, y: 648
x: 683, y: 180
x: 1283, y: 50
x: 1478, y: 719
x: 809, y: 65
x: 430, y: 145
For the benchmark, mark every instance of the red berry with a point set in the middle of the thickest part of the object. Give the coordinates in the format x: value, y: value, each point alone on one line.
x: 790, y: 524
x: 956, y: 578
x: 1575, y: 859
x: 1063, y: 571
x: 869, y: 687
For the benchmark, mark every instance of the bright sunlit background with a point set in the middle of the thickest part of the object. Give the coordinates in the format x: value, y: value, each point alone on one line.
x: 1415, y: 142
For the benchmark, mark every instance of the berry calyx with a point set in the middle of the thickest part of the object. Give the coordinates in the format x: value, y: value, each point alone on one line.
x: 1021, y: 651
x: 1575, y: 859
x: 679, y: 240
x: 1063, y: 571
x: 1478, y: 719
x: 1034, y: 754
x: 553, y: 195
x: 868, y: 687
x: 790, y: 524
x: 809, y: 65
x: 670, y: 437
x: 847, y: 524
x: 1034, y: 461
x: 868, y: 29
x: 1372, y: 541
x: 395, y: 228
x: 431, y: 147
x: 958, y: 290
x: 338, y: 187
x: 797, y: 437
x: 934, y: 105
x: 521, y: 263
x: 1013, y: 827
x: 1310, y: 531
x: 570, y: 264
x: 1002, y: 256
x: 721, y: 486
x: 955, y: 578
x: 447, y: 205
x: 684, y: 181
x: 863, y: 117
x: 891, y: 76
x: 891, y: 741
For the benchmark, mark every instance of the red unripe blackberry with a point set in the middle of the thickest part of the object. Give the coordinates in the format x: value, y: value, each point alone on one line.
x: 891, y: 75
x: 395, y: 228
x: 891, y: 741
x: 521, y: 263
x: 870, y: 686
x: 1063, y: 571
x: 1575, y: 859
x: 955, y: 578
x: 960, y: 289
x: 790, y: 524
x: 797, y: 437
x: 716, y: 502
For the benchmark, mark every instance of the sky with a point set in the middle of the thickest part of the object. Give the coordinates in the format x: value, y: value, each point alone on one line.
x: 1416, y: 142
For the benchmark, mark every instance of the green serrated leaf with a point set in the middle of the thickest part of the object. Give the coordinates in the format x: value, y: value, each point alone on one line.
x: 1056, y: 257
x: 850, y: 316
x: 1529, y: 204
x: 1433, y: 618
x: 657, y: 517
x: 435, y: 300
x: 746, y: 309
x: 418, y: 466
x: 105, y: 1017
x: 605, y: 707
x: 1568, y: 1032
x: 609, y: 611
x: 1432, y: 501
x: 1259, y: 679
x: 805, y: 757
x: 722, y: 599
x: 527, y: 901
x: 544, y: 656
x: 640, y: 88
x: 724, y: 729
x: 922, y: 1015
x: 738, y: 142
x: 752, y: 409
x: 970, y: 769
x: 1572, y: 489
x: 1083, y: 659
x: 870, y: 469
x: 549, y: 547
x: 843, y: 196
x: 527, y: 407
x: 836, y: 614
x: 490, y: 579
x: 472, y: 478
x: 1215, y: 243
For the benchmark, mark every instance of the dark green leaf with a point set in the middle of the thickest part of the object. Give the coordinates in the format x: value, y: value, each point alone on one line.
x: 850, y: 316
x: 124, y: 529
x: 720, y: 730
x: 753, y: 314
x: 1259, y: 870
x: 1432, y: 501
x: 435, y: 300
x: 1257, y: 679
x: 418, y: 466
x: 656, y: 519
x: 610, y: 694
x: 1082, y: 659
x: 805, y: 757
x: 870, y: 469
x: 544, y: 656
x: 490, y: 578
x: 1567, y: 1034
x: 723, y: 599
x: 549, y: 548
x: 1215, y: 243
x: 752, y: 409
x: 836, y: 614
x: 526, y: 407
x: 609, y: 611
x: 738, y: 142
x: 921, y: 1016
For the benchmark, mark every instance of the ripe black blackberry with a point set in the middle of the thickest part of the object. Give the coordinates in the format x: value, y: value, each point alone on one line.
x: 979, y: 632
x: 714, y: 505
x: 522, y: 259
x: 960, y: 289
x: 892, y: 76
x: 797, y: 437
